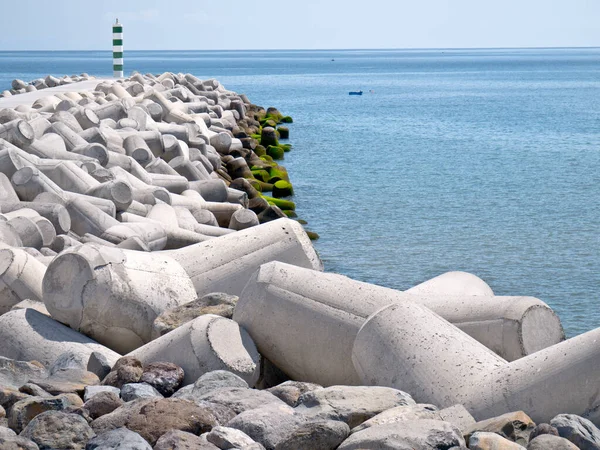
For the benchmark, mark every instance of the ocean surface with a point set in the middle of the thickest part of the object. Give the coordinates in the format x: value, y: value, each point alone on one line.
x: 486, y: 161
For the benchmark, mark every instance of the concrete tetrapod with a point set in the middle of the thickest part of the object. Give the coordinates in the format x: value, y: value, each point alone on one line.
x: 305, y: 321
x: 204, y: 344
x: 226, y: 263
x: 20, y: 278
x: 409, y: 347
x: 114, y: 295
x: 28, y: 335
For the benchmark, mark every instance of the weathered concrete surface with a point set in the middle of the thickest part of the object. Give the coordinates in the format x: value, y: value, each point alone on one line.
x: 27, y: 335
x: 305, y: 321
x: 117, y: 293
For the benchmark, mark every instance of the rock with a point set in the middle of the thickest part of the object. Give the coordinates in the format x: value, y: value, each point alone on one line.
x: 217, y: 379
x: 350, y: 404
x: 543, y: 428
x: 23, y: 411
x: 90, y: 391
x: 181, y: 440
x: 120, y: 438
x: 68, y: 360
x: 222, y: 413
x: 67, y: 381
x: 550, y: 442
x: 423, y: 434
x: 102, y: 403
x: 399, y: 414
x: 126, y: 370
x: 578, y: 430
x: 8, y: 397
x: 34, y: 389
x: 323, y: 435
x: 6, y: 432
x: 17, y: 443
x: 174, y: 318
x: 165, y: 377
x: 98, y: 364
x: 2, y: 413
x: 58, y: 430
x: 133, y: 391
x: 225, y: 438
x: 152, y: 418
x: 482, y: 440
x: 14, y: 374
x: 515, y: 426
x: 290, y: 391
x: 269, y: 424
x: 240, y: 399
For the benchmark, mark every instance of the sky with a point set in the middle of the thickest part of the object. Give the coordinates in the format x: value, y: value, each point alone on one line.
x: 299, y: 24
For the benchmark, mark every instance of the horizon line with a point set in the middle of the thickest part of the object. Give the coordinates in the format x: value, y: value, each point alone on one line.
x: 307, y: 49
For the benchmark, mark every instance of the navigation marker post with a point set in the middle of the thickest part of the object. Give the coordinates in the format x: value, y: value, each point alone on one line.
x: 117, y: 33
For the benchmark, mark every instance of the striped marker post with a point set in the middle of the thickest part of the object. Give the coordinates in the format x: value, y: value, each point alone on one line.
x: 117, y: 32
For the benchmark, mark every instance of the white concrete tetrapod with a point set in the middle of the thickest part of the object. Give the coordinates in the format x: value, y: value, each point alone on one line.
x: 409, y: 347
x: 114, y: 295
x: 453, y: 283
x: 226, y: 263
x: 28, y: 335
x: 20, y: 278
x: 306, y: 321
x: 205, y: 344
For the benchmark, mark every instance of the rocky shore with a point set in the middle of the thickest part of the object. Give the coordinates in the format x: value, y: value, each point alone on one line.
x: 156, y: 292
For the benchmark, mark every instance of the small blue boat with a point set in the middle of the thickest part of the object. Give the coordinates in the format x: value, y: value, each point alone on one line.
x: 355, y: 93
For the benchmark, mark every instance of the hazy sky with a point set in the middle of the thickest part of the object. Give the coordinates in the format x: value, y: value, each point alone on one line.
x: 299, y: 24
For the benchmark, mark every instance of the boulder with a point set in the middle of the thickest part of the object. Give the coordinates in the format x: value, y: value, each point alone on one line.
x: 119, y: 438
x: 17, y: 443
x: 290, y: 391
x: 165, y: 377
x: 226, y: 438
x: 399, y: 414
x: 101, y: 404
x: 581, y: 432
x: 8, y: 397
x: 23, y: 411
x: 133, y: 391
x: 423, y: 434
x: 550, y: 442
x: 152, y: 418
x: 90, y: 391
x: 240, y: 399
x: 34, y: 389
x: 14, y: 374
x: 182, y: 440
x: 482, y: 440
x: 126, y: 370
x: 67, y: 381
x: 173, y: 318
x: 515, y: 426
x: 321, y: 435
x: 350, y: 404
x: 269, y: 424
x: 542, y: 428
x: 58, y: 430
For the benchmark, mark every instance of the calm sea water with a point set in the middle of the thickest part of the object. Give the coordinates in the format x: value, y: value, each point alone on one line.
x: 486, y: 161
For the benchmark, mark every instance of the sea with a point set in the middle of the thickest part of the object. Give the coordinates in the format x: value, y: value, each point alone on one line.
x: 478, y: 160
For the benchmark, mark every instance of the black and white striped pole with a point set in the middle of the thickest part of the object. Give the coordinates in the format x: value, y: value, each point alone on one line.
x: 117, y: 32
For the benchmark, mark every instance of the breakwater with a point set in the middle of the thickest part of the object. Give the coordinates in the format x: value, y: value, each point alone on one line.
x: 157, y: 287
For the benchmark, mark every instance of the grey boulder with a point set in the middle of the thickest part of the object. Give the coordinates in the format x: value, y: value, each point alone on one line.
x: 321, y: 435
x: 550, y: 442
x: 120, y: 438
x: 407, y: 435
x: 350, y: 404
x: 58, y: 430
x: 133, y: 391
x: 581, y: 432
